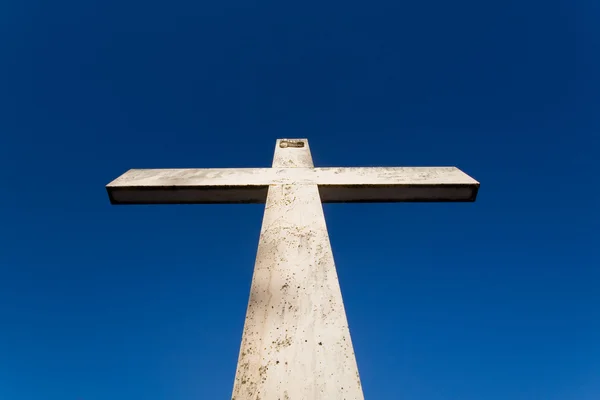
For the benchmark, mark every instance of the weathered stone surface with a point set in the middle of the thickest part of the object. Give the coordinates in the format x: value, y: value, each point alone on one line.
x: 296, y: 343
x: 292, y: 176
x: 249, y: 185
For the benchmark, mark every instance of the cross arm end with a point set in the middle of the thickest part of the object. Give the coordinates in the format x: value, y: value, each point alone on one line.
x: 188, y: 186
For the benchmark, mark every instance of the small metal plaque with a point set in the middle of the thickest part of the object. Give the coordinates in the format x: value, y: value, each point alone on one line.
x: 291, y: 143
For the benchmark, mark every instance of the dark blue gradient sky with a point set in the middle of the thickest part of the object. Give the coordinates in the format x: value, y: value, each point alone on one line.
x: 494, y: 300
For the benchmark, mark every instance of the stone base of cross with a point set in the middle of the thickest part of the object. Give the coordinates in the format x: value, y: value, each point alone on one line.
x: 296, y: 343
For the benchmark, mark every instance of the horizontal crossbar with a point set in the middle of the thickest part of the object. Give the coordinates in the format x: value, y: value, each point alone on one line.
x: 250, y: 185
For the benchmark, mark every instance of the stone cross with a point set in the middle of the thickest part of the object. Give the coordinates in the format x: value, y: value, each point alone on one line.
x: 296, y: 342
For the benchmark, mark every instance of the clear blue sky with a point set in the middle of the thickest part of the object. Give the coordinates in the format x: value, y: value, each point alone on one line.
x: 493, y: 300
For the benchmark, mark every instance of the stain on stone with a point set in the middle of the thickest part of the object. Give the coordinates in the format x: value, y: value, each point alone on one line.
x: 283, y: 343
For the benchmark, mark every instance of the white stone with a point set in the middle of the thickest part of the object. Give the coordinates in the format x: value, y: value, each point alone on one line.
x: 296, y: 343
x: 249, y: 185
x: 297, y: 176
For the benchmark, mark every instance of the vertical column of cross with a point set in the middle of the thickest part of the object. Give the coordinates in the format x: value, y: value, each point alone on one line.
x: 296, y: 344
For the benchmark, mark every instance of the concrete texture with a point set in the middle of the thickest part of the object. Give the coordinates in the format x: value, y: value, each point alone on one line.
x: 249, y: 185
x: 296, y: 344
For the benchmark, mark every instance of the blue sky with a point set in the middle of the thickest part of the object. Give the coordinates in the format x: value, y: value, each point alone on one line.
x: 493, y: 300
